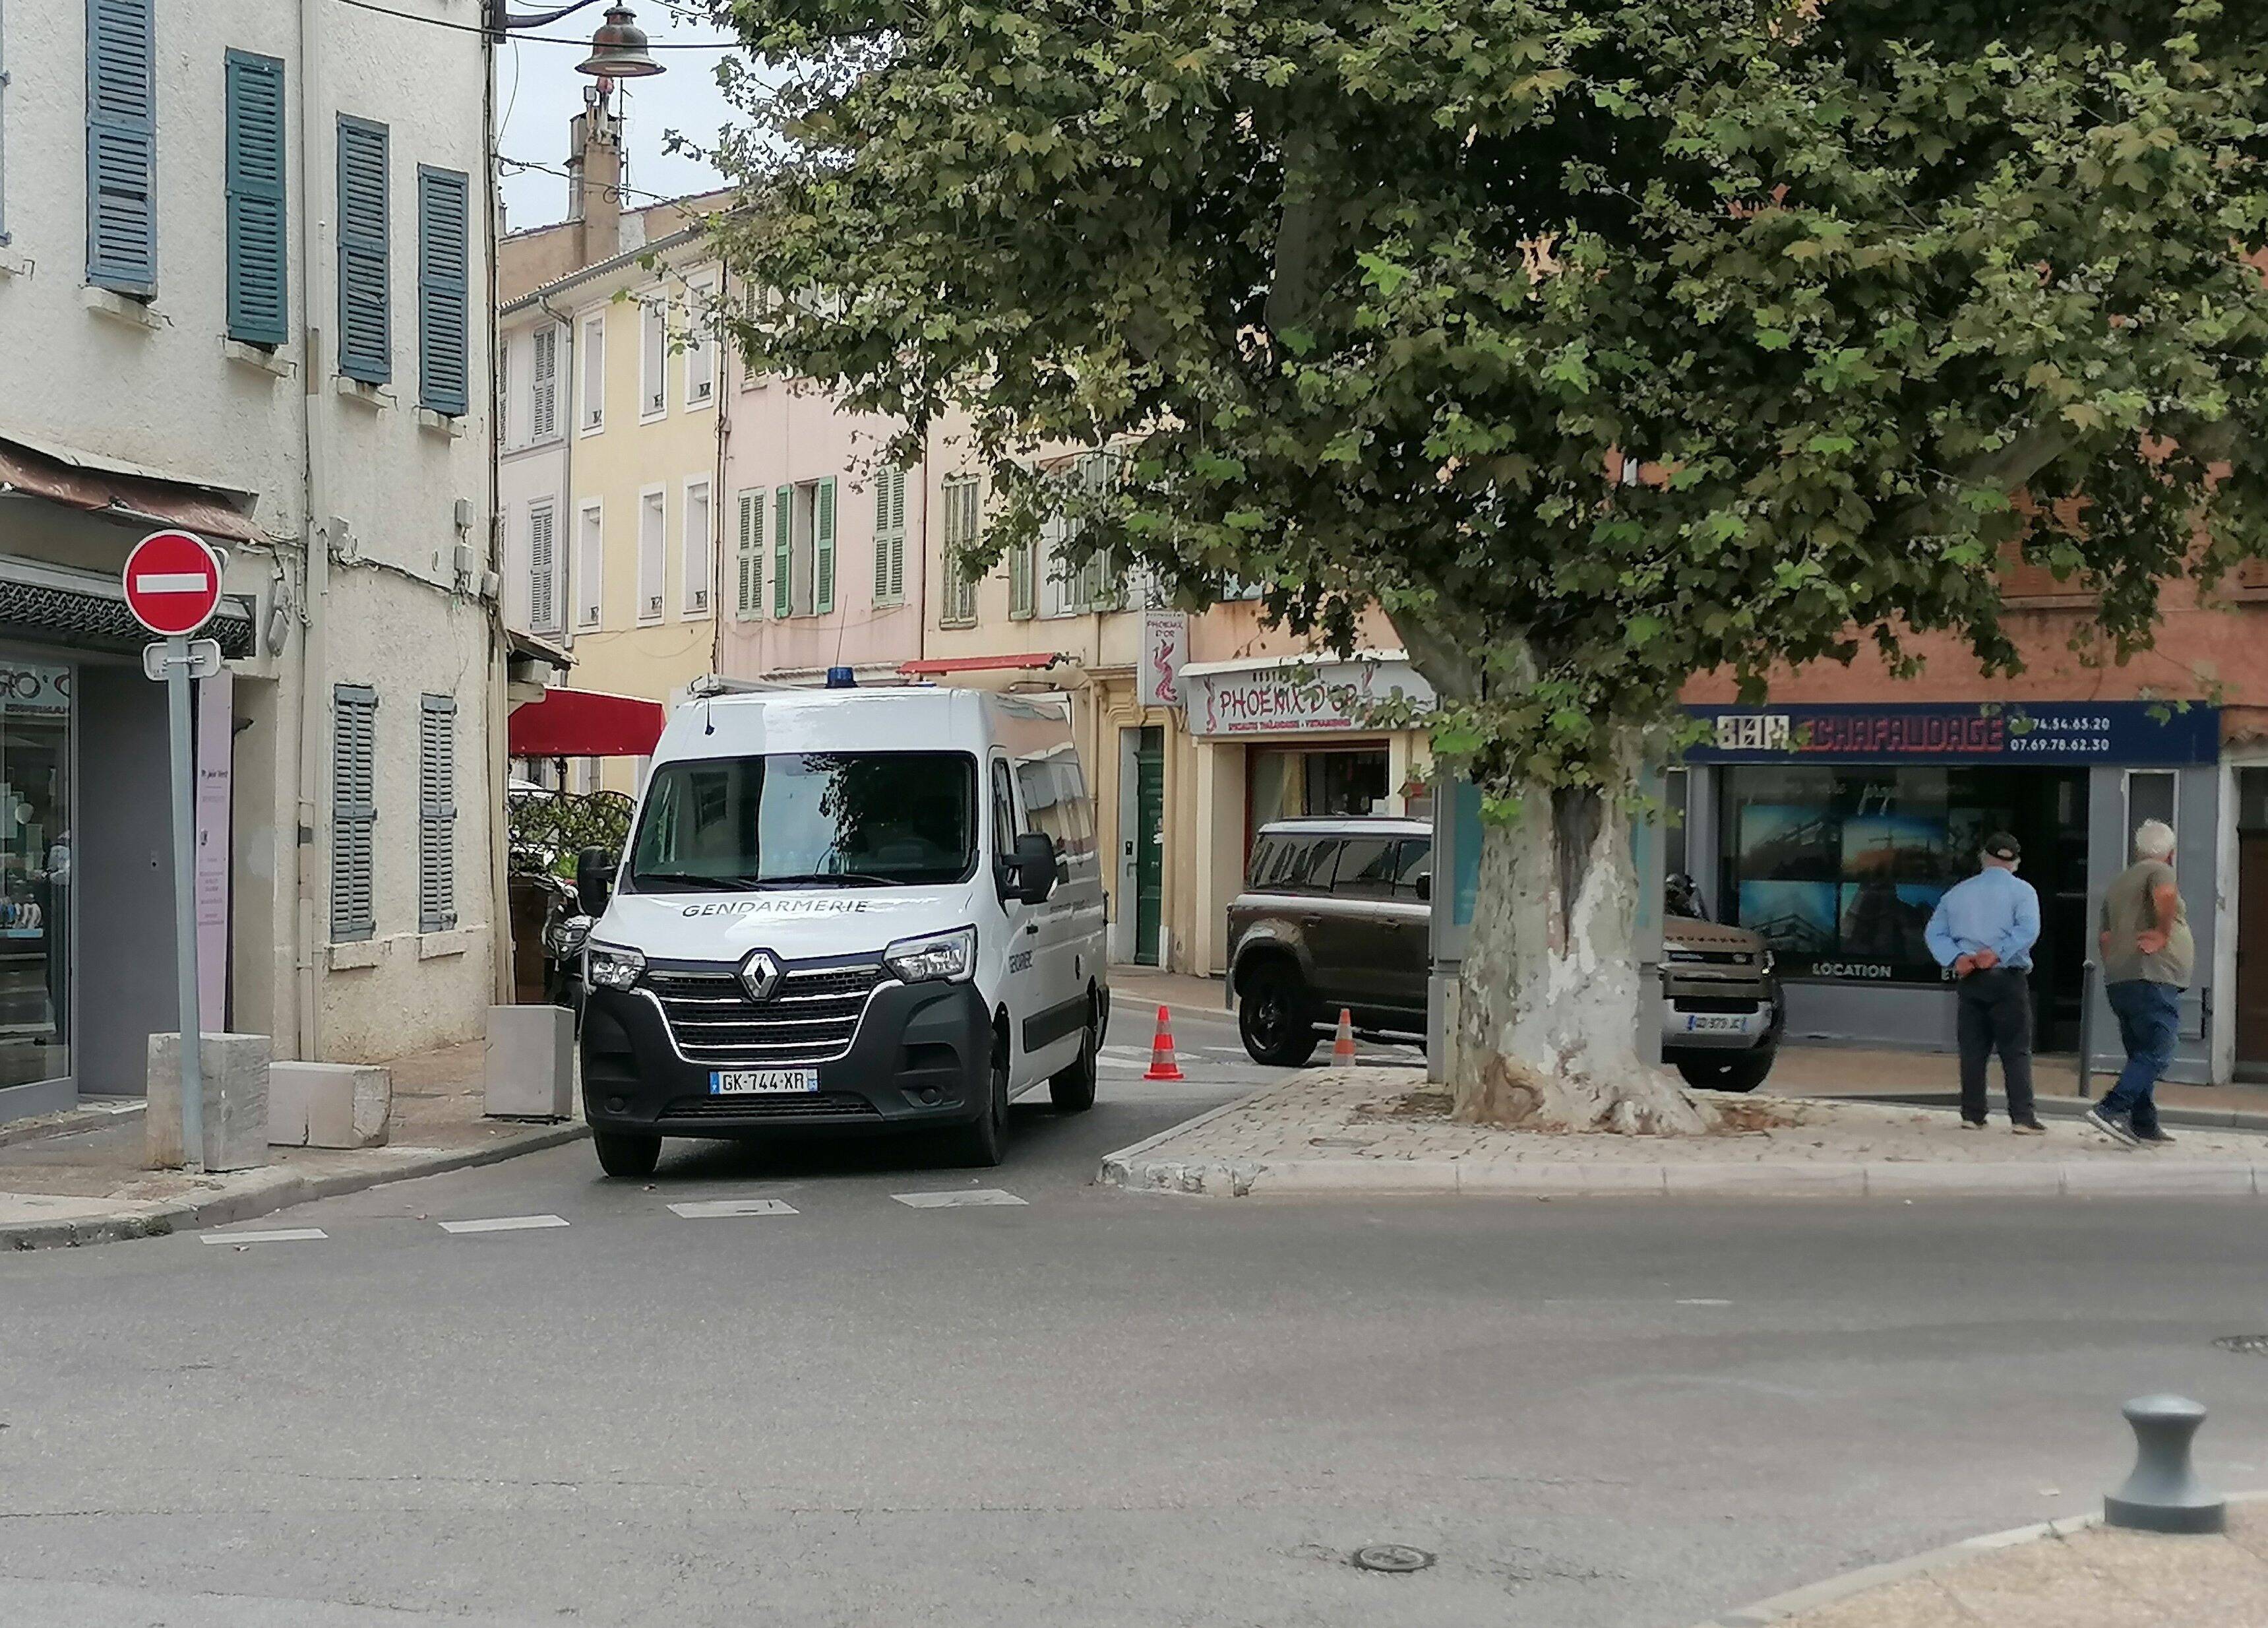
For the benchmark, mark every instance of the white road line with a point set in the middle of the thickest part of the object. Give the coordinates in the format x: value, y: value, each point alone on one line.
x: 1705, y: 1302
x: 282, y: 1235
x: 504, y: 1224
x: 1121, y: 1054
x: 704, y: 1209
x: 955, y: 1200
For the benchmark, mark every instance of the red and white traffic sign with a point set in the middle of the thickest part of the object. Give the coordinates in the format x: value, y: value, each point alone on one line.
x: 172, y: 583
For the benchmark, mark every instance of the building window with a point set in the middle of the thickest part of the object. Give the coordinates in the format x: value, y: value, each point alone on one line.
x: 542, y: 567
x: 889, y: 536
x: 544, y: 383
x: 365, y: 322
x: 700, y: 353
x: 594, y: 373
x: 653, y: 359
x: 963, y: 517
x: 443, y: 296
x: 590, y: 565
x: 354, y: 812
x: 121, y: 146
x: 437, y: 813
x: 803, y: 549
x: 2151, y: 794
x: 748, y: 600
x: 653, y: 552
x: 698, y: 572
x: 1094, y: 584
x: 258, y: 262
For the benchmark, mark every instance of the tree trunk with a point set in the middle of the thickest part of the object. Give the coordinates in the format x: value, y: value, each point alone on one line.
x: 1550, y: 1007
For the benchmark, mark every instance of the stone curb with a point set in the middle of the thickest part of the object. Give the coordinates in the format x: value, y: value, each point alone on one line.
x: 2063, y: 1107
x: 1812, y: 1596
x: 266, y: 1191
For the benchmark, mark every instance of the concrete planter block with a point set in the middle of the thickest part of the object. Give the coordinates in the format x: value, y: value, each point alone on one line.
x: 235, y: 1069
x: 329, y: 1104
x: 530, y: 1063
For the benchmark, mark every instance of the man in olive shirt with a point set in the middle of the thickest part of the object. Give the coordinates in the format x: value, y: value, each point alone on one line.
x: 2147, y: 957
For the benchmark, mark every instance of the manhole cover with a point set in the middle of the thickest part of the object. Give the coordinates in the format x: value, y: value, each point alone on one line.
x: 2244, y: 1344
x: 1391, y: 1558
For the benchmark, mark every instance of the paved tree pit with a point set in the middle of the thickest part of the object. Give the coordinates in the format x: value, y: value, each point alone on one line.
x: 1391, y: 1558
x: 2244, y: 1344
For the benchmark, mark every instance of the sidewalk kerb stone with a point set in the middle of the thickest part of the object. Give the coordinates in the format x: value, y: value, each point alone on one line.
x: 1761, y: 1180
x: 1405, y: 1177
x: 1908, y: 1179
x: 2144, y: 1175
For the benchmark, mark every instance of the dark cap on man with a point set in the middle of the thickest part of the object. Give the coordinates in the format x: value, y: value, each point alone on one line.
x: 2003, y: 847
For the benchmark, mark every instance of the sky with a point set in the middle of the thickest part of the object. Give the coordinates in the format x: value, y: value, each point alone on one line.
x: 538, y: 91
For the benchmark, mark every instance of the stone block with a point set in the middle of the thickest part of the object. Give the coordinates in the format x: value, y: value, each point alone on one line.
x: 235, y: 1100
x: 329, y: 1104
x: 530, y: 1063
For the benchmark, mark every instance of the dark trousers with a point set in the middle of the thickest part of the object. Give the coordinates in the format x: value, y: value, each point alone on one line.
x: 1995, y: 1015
x: 2150, y: 1026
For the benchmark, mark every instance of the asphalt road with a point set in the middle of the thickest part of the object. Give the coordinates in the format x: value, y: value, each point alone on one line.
x: 1089, y: 1407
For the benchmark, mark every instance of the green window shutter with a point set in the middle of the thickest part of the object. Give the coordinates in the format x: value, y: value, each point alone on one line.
x: 881, y: 536
x: 258, y: 262
x: 365, y: 322
x: 822, y: 549
x: 897, y: 535
x: 784, y: 552
x: 354, y: 812
x: 437, y: 813
x: 443, y: 290
x: 122, y: 146
x: 750, y: 601
x: 889, y: 536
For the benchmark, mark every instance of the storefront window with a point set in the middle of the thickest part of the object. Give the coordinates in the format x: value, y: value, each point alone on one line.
x: 35, y: 871
x: 1287, y: 783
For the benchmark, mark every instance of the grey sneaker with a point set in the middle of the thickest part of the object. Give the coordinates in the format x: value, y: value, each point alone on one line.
x: 2113, y: 1125
x: 2029, y: 1127
x: 2153, y: 1138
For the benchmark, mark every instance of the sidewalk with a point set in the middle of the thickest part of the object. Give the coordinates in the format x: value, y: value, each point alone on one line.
x: 2070, y: 1574
x: 1934, y: 1078
x: 1179, y: 990
x: 89, y: 1186
x: 1386, y: 1131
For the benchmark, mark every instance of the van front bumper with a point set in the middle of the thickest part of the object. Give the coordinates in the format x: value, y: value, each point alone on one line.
x: 921, y: 1055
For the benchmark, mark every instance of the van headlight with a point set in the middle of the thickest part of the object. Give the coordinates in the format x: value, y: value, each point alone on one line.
x: 613, y: 967
x: 947, y: 955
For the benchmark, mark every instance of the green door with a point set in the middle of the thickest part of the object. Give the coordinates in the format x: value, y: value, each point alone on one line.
x: 1149, y: 843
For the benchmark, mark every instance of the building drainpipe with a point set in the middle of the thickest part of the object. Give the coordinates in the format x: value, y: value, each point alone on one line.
x: 718, y: 496
x: 502, y: 984
x: 313, y: 834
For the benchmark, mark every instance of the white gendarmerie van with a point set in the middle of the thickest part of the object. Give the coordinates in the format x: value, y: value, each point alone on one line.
x: 873, y: 910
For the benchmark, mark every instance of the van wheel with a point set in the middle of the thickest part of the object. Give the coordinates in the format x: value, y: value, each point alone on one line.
x: 981, y: 1143
x: 1271, y: 1015
x: 1072, y: 1089
x: 625, y: 1155
x: 1742, y: 1072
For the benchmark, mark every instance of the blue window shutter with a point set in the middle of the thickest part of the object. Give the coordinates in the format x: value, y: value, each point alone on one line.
x: 122, y: 146
x: 258, y: 291
x: 444, y: 279
x: 354, y: 812
x: 365, y: 322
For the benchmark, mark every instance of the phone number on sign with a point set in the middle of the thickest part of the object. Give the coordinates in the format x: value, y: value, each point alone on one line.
x: 2059, y: 743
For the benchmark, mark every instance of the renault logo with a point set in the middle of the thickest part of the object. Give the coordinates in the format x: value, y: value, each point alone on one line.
x: 760, y: 974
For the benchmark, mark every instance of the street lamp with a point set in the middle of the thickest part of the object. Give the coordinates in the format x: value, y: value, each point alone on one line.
x: 618, y: 50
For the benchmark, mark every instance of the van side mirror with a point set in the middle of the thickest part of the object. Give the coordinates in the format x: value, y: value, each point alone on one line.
x: 1031, y: 876
x: 594, y: 880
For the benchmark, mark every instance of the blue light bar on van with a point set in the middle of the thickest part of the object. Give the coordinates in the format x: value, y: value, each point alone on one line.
x: 841, y: 678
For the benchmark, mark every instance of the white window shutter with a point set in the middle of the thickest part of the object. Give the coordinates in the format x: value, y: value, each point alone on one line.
x: 437, y: 813
x: 543, y: 400
x: 543, y: 567
x: 354, y: 812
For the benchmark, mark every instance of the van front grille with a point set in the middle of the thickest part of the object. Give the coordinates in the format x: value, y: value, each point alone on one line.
x: 810, y: 1018
x: 817, y: 1105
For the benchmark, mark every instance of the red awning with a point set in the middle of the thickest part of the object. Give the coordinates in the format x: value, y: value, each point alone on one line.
x: 584, y: 723
x: 937, y: 665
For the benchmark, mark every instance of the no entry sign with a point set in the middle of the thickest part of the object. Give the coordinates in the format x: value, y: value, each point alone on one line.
x: 172, y: 583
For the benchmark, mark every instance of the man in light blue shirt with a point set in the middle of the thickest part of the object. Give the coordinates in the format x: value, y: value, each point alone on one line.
x: 1982, y: 932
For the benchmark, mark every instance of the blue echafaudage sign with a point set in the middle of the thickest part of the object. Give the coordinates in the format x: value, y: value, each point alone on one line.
x: 2150, y: 734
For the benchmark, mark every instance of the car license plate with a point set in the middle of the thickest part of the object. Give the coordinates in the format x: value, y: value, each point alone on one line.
x: 1716, y: 1023
x: 747, y: 1082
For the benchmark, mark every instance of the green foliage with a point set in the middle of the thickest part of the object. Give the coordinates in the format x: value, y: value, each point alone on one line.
x: 1373, y: 293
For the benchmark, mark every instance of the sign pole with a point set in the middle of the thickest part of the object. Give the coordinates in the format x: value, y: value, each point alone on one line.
x: 185, y: 902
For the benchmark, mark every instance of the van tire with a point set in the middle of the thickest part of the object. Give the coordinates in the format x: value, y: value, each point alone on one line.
x: 1271, y: 1015
x: 981, y: 1143
x: 1072, y: 1089
x: 625, y: 1155
x: 1743, y: 1071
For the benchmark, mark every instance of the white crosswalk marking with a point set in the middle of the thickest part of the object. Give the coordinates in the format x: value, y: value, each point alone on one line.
x: 956, y: 1200
x: 281, y: 1234
x: 704, y: 1209
x: 504, y: 1224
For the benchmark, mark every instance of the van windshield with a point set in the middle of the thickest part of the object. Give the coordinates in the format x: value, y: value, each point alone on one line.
x: 808, y: 819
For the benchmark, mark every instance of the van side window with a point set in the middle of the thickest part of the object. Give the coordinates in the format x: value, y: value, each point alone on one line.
x: 1004, y: 812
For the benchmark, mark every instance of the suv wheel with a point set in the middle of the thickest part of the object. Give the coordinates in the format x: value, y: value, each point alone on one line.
x: 1743, y: 1071
x: 1271, y: 1015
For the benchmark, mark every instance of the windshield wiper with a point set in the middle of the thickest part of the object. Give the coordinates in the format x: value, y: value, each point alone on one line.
x: 829, y: 879
x: 686, y: 881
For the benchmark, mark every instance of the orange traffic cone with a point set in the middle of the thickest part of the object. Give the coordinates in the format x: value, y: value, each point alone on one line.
x: 1162, y: 1065
x: 1342, y: 1043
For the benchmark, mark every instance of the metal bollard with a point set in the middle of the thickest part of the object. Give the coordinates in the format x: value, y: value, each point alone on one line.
x: 2163, y: 1494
